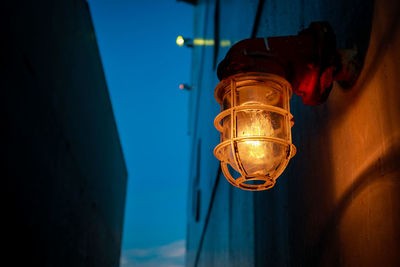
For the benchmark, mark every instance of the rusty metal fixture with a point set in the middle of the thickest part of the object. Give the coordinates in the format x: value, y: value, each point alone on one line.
x: 309, y: 61
x: 257, y: 79
x: 255, y: 125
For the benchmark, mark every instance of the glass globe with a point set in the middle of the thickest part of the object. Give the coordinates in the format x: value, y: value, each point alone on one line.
x: 255, y: 125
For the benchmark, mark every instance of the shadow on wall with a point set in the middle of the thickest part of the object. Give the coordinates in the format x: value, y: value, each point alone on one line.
x: 315, y: 213
x: 301, y: 230
x: 369, y: 177
x: 359, y: 29
x: 329, y: 244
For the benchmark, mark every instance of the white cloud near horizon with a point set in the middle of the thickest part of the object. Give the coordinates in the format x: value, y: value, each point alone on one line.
x: 170, y: 255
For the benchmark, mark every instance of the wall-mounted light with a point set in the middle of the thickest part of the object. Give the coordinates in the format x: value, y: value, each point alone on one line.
x: 257, y: 77
x: 255, y: 124
x: 181, y: 41
x: 184, y: 86
x: 189, y: 42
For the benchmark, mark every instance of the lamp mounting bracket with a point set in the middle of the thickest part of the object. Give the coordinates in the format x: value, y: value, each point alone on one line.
x: 309, y: 60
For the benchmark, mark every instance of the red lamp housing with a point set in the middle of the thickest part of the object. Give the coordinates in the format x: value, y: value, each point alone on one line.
x: 309, y: 60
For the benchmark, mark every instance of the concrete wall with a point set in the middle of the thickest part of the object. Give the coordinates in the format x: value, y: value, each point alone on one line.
x: 337, y: 203
x: 61, y: 158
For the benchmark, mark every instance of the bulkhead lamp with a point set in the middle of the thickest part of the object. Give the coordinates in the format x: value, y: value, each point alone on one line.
x: 255, y: 127
x: 257, y: 79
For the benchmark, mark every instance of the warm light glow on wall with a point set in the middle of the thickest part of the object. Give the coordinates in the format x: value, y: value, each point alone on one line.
x: 225, y: 43
x: 255, y: 125
x: 201, y: 41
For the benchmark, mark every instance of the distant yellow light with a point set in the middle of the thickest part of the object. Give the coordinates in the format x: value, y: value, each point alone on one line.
x: 225, y: 43
x: 201, y: 41
x: 180, y: 41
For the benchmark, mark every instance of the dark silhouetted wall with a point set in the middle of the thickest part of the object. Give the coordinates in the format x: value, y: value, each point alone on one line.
x: 62, y: 162
x: 338, y: 201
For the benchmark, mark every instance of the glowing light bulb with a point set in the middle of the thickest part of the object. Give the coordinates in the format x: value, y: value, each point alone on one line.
x: 180, y: 41
x: 255, y: 149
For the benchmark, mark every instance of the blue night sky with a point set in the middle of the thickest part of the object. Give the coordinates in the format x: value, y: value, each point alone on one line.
x: 143, y: 68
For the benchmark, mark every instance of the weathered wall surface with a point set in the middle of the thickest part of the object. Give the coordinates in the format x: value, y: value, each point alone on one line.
x: 61, y: 158
x: 337, y: 203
